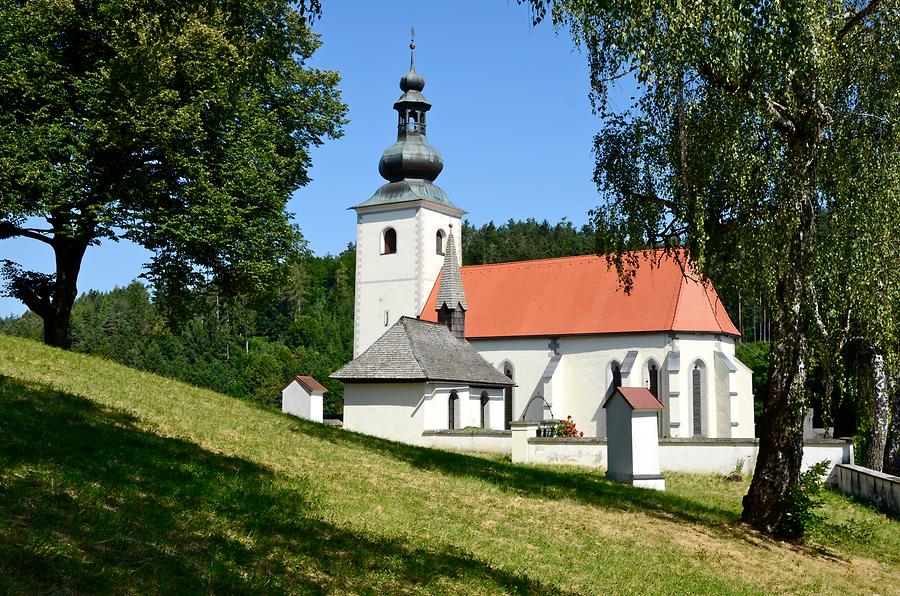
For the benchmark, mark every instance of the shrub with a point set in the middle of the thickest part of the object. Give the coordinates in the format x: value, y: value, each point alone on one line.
x: 800, y: 503
x: 566, y: 428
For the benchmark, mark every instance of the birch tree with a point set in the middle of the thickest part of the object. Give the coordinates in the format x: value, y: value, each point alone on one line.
x: 727, y: 152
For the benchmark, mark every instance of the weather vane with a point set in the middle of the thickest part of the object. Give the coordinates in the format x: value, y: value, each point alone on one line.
x: 412, y: 46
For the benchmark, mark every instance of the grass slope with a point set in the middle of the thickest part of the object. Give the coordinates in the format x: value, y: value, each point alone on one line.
x: 116, y: 481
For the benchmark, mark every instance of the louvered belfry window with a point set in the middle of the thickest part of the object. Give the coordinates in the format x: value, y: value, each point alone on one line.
x: 695, y: 387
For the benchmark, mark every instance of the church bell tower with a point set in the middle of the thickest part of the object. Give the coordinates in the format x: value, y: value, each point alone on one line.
x: 402, y: 230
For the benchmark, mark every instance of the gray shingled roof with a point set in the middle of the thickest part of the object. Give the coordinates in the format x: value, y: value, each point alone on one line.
x: 408, y: 189
x: 451, y: 291
x: 415, y: 350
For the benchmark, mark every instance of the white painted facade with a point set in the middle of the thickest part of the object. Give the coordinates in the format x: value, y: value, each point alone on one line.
x: 403, y: 411
x: 633, y: 445
x: 577, y: 377
x: 299, y: 401
x: 389, y: 286
x: 701, y: 456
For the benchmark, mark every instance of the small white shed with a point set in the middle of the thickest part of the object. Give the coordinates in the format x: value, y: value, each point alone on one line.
x: 302, y: 397
x: 632, y: 439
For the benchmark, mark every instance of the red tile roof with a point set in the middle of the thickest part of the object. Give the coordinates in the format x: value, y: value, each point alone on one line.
x: 639, y: 398
x: 583, y: 296
x: 309, y: 383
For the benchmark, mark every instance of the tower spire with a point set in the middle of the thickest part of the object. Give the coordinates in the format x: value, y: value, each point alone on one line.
x: 411, y: 164
x: 451, y: 303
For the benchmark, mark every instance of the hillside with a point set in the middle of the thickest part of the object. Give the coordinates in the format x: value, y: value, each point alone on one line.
x: 112, y: 481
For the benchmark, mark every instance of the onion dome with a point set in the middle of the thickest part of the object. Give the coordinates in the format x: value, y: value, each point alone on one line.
x: 411, y: 157
x: 411, y: 164
x: 412, y: 81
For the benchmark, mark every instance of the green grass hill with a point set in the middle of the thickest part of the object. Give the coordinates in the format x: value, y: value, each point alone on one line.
x: 117, y: 481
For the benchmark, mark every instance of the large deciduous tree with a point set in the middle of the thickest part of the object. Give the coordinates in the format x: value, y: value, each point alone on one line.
x: 182, y: 126
x: 750, y: 121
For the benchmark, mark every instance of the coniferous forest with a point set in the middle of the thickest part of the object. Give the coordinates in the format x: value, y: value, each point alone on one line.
x: 305, y: 326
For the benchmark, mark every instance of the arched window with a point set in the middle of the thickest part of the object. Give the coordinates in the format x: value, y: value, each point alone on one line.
x: 389, y: 242
x: 508, y: 397
x: 653, y: 379
x: 439, y: 242
x: 697, y: 390
x: 616, y: 370
x: 452, y: 407
x: 484, y: 409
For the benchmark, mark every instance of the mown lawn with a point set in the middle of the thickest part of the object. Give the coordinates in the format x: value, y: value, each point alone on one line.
x: 116, y: 481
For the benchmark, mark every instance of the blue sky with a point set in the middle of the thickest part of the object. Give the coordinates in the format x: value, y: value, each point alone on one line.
x: 510, y: 114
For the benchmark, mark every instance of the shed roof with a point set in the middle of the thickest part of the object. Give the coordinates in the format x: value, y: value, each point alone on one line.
x: 309, y: 383
x: 637, y: 398
x: 415, y: 350
x: 582, y: 296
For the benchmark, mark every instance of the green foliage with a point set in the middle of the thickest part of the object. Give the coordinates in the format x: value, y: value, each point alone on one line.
x: 524, y: 240
x: 761, y: 147
x: 183, y: 126
x: 305, y: 328
x: 800, y: 505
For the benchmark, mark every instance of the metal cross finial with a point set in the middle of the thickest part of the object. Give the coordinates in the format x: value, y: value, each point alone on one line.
x: 412, y: 45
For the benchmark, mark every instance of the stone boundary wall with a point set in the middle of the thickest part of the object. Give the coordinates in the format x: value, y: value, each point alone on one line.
x: 702, y: 456
x: 480, y: 440
x: 877, y: 488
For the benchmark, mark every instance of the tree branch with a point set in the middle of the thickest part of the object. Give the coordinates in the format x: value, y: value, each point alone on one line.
x: 8, y: 230
x: 854, y: 20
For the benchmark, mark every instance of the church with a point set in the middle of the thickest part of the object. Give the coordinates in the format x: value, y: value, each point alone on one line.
x: 442, y: 347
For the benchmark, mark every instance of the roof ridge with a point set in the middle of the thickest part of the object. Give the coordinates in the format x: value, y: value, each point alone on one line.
x: 411, y: 346
x: 529, y: 261
x: 557, y: 259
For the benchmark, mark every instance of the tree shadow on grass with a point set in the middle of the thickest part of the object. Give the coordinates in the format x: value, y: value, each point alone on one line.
x: 90, y: 503
x: 550, y: 482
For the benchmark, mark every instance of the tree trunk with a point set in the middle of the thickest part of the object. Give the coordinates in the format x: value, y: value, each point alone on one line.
x: 781, y: 426
x: 879, y: 408
x: 892, y: 449
x: 57, y: 319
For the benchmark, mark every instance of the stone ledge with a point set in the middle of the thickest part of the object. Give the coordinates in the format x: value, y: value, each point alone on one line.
x: 565, y: 440
x: 676, y: 441
x: 467, y: 432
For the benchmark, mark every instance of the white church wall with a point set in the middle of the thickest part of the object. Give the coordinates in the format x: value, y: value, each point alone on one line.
x: 428, y: 222
x: 583, y: 378
x: 589, y: 374
x: 470, y: 441
x: 386, y: 286
x: 389, y: 410
x: 742, y: 401
x: 716, y: 398
x: 697, y: 456
x: 530, y: 357
x: 389, y: 286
